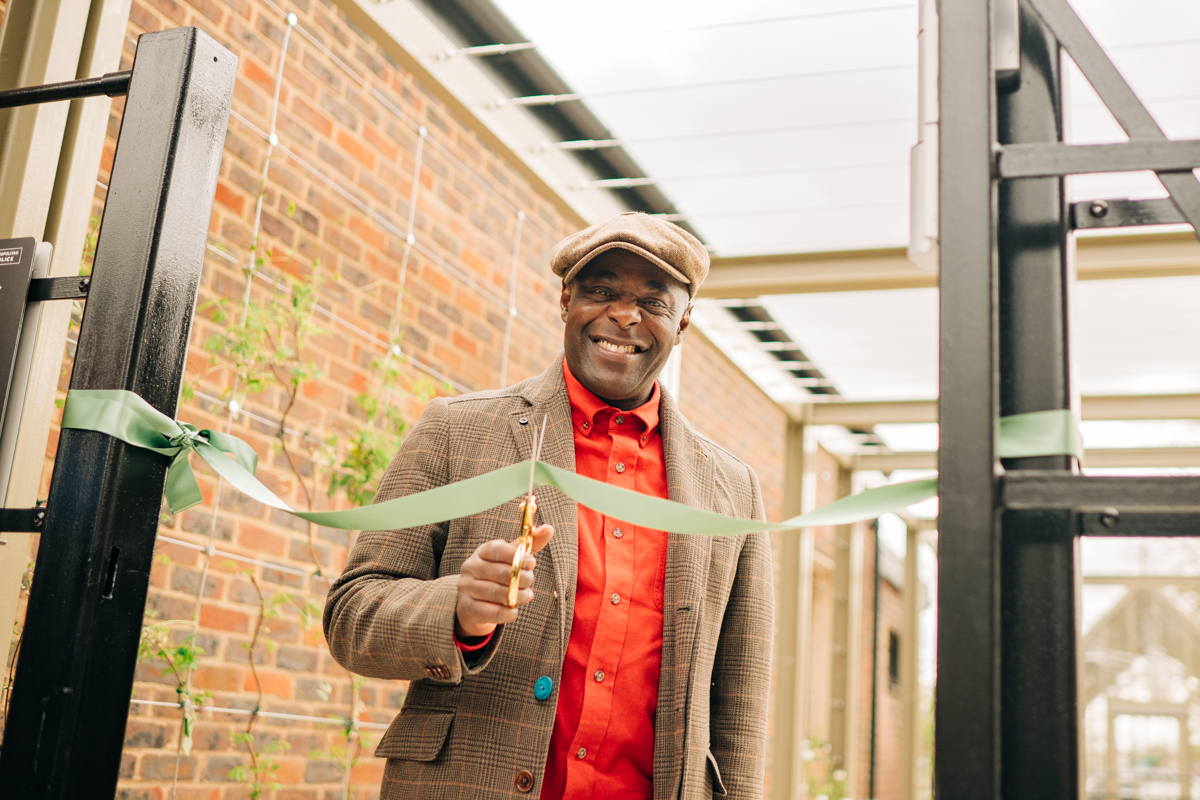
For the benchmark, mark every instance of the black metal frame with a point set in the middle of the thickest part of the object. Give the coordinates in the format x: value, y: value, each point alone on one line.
x: 70, y: 699
x: 1007, y: 703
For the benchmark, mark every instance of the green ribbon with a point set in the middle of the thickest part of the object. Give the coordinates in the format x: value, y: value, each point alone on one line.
x: 125, y: 416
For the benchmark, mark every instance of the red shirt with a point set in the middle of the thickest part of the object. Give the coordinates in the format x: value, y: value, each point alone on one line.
x: 603, y: 740
x: 614, y: 655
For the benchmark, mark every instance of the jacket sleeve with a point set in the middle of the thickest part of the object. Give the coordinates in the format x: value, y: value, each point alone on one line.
x: 742, y: 668
x: 390, y: 615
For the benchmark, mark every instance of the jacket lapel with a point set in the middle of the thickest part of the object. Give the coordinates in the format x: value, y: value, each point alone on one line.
x: 690, y: 481
x: 547, y: 398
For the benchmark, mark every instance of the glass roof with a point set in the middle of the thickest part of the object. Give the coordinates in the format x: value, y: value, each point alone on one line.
x: 782, y: 126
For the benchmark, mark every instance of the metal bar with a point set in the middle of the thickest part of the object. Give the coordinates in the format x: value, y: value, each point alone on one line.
x: 22, y: 520
x: 70, y: 700
x: 1124, y: 213
x: 1039, y: 747
x: 1045, y: 160
x: 1048, y: 490
x: 1117, y: 95
x: 1111, y: 458
x: 967, y: 715
x: 1113, y: 523
x: 1111, y: 407
x: 112, y: 84
x: 485, y: 50
x: 62, y: 288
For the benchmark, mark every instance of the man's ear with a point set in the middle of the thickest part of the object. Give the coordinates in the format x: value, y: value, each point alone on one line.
x: 564, y: 300
x: 685, y: 322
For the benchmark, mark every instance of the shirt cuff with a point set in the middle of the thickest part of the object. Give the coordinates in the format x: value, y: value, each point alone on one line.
x: 469, y: 644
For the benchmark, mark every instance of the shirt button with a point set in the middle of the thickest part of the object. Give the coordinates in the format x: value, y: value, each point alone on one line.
x: 620, y: 420
x: 581, y: 752
x: 618, y: 533
x: 620, y: 467
x: 616, y: 598
x: 585, y: 426
x: 524, y: 420
x: 554, y: 594
x: 524, y: 780
x: 599, y: 675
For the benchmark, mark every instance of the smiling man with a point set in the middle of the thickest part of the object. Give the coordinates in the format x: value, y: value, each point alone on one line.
x: 636, y: 663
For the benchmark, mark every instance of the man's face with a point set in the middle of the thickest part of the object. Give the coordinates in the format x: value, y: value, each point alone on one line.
x: 623, y: 316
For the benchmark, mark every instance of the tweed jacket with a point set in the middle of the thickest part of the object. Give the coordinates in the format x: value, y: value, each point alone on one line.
x: 473, y: 728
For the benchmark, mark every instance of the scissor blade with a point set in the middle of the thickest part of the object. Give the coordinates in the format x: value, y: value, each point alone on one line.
x: 537, y: 453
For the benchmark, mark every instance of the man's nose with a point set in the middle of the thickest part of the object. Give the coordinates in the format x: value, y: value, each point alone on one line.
x: 625, y: 313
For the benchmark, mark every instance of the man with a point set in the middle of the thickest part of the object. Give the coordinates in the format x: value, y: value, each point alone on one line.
x: 635, y: 664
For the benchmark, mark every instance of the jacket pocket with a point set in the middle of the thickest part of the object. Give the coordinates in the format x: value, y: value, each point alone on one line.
x: 714, y: 772
x: 418, y: 734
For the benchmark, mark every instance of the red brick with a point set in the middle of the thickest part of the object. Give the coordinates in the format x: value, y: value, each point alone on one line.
x: 356, y: 149
x: 367, y: 232
x: 377, y: 140
x: 255, y: 537
x: 256, y: 74
x: 275, y: 683
x: 224, y: 619
x: 217, y: 678
x: 230, y: 199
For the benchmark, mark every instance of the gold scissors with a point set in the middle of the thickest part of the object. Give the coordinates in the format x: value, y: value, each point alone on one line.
x: 528, y: 507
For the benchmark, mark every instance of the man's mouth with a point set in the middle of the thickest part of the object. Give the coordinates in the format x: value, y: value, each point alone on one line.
x: 613, y: 347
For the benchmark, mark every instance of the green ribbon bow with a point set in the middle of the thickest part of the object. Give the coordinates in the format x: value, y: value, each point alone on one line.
x: 131, y: 419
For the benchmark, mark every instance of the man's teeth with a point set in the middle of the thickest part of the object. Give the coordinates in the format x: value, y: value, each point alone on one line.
x: 616, y: 348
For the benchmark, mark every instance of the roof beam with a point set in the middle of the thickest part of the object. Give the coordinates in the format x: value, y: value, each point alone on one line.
x: 1098, y: 257
x: 1115, y: 407
x: 1122, y: 458
x: 1145, y: 581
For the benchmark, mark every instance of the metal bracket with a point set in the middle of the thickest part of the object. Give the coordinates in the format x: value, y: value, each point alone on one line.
x: 1124, y: 213
x: 68, y: 288
x: 22, y: 520
x: 1112, y: 522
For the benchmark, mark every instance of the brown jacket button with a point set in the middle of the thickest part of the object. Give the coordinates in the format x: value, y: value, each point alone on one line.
x: 524, y: 780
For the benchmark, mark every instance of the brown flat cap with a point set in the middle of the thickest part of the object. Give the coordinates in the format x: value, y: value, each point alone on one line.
x: 667, y: 246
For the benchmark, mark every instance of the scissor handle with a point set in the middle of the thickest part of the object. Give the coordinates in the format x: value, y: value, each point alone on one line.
x: 524, y: 546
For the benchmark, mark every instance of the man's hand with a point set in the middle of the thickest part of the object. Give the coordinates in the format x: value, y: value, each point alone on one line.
x: 483, y: 585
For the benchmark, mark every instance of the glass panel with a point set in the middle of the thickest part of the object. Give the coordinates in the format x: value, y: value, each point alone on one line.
x: 1140, y: 629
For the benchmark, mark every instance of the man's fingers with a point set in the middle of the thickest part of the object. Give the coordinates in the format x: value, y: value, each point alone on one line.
x: 495, y: 592
x: 542, y: 534
x: 496, y: 572
x: 497, y: 550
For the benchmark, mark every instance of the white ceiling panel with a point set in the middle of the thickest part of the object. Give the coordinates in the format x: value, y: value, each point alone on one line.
x: 785, y: 126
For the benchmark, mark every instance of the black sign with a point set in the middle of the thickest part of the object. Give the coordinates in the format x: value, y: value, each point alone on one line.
x: 16, y: 268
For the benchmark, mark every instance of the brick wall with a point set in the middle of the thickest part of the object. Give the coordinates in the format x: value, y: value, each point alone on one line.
x: 336, y: 200
x: 725, y: 406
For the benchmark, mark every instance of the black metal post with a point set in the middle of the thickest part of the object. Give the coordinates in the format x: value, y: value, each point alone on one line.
x: 1039, y: 741
x: 71, y: 694
x: 967, y: 715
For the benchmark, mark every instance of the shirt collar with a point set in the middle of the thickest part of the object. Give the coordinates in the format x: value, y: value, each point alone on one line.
x: 587, y: 407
